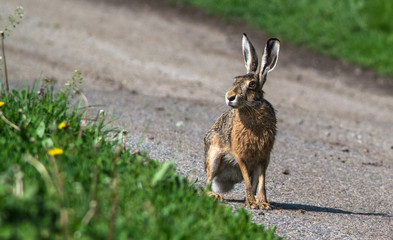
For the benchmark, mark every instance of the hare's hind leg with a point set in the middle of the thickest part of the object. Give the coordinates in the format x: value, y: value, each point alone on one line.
x: 261, y: 190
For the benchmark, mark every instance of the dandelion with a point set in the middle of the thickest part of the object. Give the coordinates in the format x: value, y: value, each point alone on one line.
x: 55, y: 151
x: 2, y: 104
x: 63, y: 125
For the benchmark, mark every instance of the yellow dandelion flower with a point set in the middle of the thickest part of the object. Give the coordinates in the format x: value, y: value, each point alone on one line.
x: 62, y: 125
x: 2, y: 104
x: 55, y: 151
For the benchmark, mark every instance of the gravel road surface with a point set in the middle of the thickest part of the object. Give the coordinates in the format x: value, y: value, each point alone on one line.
x: 154, y: 65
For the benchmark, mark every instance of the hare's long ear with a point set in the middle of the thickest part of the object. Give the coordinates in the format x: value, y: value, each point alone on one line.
x: 249, y: 54
x: 269, y: 58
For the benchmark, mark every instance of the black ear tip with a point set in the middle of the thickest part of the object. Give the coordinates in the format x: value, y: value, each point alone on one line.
x: 273, y: 40
x: 273, y: 43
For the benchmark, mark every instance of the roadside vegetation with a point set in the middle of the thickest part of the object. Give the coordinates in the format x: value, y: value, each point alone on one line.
x: 66, y: 176
x: 62, y: 176
x: 358, y: 31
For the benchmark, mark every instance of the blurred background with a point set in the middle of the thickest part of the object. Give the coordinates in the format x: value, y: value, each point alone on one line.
x: 359, y: 31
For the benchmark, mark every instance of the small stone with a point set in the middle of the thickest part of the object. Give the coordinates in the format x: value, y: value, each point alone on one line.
x: 374, y: 164
x: 285, y: 172
x: 344, y: 149
x: 134, y: 92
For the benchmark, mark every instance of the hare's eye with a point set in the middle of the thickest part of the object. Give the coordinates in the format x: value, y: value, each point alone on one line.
x: 252, y: 84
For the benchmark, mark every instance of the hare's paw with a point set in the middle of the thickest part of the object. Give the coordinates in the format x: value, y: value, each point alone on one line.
x: 263, y: 205
x: 257, y: 205
x: 216, y: 196
x: 251, y: 204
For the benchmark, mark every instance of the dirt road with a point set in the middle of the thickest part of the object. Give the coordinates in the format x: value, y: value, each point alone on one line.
x: 155, y: 65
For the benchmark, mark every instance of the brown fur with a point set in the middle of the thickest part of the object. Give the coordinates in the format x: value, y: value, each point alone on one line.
x: 238, y: 145
x: 253, y: 133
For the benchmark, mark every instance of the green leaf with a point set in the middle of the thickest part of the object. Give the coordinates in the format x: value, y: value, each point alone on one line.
x: 40, y: 130
x: 27, y: 231
x: 6, y: 232
x: 24, y: 93
x: 47, y: 143
x: 160, y: 174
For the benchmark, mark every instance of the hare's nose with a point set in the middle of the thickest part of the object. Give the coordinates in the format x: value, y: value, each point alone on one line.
x: 231, y: 98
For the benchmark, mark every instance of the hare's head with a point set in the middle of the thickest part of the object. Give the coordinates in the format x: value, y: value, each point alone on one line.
x: 247, y: 89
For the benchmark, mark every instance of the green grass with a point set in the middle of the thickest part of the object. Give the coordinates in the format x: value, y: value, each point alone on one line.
x: 94, y: 189
x: 358, y: 31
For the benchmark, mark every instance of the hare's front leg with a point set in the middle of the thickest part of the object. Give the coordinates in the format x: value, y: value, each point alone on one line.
x: 261, y: 191
x: 250, y: 197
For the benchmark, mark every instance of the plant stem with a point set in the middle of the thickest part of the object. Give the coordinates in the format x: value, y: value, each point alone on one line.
x: 60, y: 191
x: 2, y: 36
x: 123, y: 134
x: 93, y: 198
x: 114, y: 202
x: 84, y: 121
x: 8, y: 121
x: 43, y: 172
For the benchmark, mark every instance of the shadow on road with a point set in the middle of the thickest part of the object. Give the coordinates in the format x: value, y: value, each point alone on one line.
x: 310, y: 208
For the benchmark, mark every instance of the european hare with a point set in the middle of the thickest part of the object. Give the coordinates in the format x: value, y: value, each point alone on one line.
x: 238, y: 145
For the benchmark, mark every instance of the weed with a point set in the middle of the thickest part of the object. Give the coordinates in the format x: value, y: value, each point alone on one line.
x: 13, y: 20
x: 56, y: 184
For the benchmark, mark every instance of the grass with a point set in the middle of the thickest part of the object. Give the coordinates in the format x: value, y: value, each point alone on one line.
x: 358, y: 31
x: 62, y: 177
